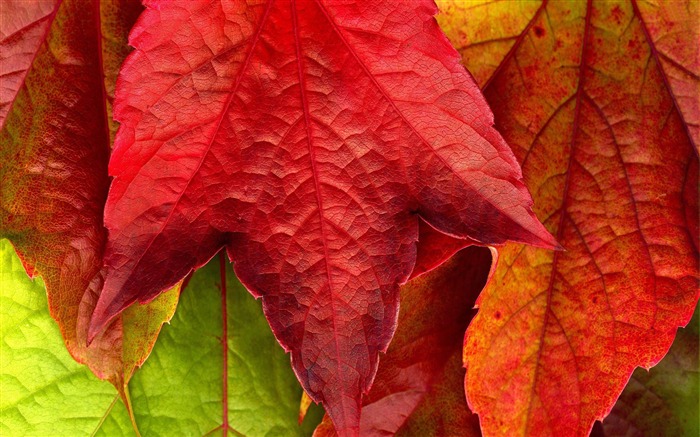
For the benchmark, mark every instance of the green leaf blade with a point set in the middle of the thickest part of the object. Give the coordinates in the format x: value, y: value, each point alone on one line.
x: 44, y: 391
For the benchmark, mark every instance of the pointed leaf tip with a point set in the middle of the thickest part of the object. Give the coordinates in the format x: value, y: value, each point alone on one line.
x: 544, y: 238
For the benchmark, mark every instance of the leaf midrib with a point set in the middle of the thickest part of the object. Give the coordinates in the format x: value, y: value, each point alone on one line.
x: 560, y: 227
x: 319, y: 200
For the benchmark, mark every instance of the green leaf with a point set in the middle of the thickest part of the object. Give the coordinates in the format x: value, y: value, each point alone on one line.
x: 180, y: 388
x: 44, y: 391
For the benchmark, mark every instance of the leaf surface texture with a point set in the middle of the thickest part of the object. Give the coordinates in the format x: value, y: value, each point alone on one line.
x: 307, y: 138
x: 665, y: 399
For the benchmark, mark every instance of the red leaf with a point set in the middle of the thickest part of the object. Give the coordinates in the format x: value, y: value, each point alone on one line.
x: 583, y: 94
x: 418, y: 388
x: 56, y: 59
x: 304, y: 137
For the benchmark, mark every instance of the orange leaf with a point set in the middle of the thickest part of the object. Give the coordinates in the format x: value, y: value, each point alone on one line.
x: 595, y: 99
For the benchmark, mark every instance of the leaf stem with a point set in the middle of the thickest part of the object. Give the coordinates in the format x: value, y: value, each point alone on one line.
x: 126, y: 397
x: 224, y: 341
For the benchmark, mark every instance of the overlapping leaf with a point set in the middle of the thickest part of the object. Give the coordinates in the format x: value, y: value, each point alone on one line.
x: 305, y: 137
x: 59, y: 60
x: 585, y: 95
x: 418, y: 388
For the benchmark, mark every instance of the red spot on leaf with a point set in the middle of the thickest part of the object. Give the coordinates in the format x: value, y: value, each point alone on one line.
x: 617, y: 14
